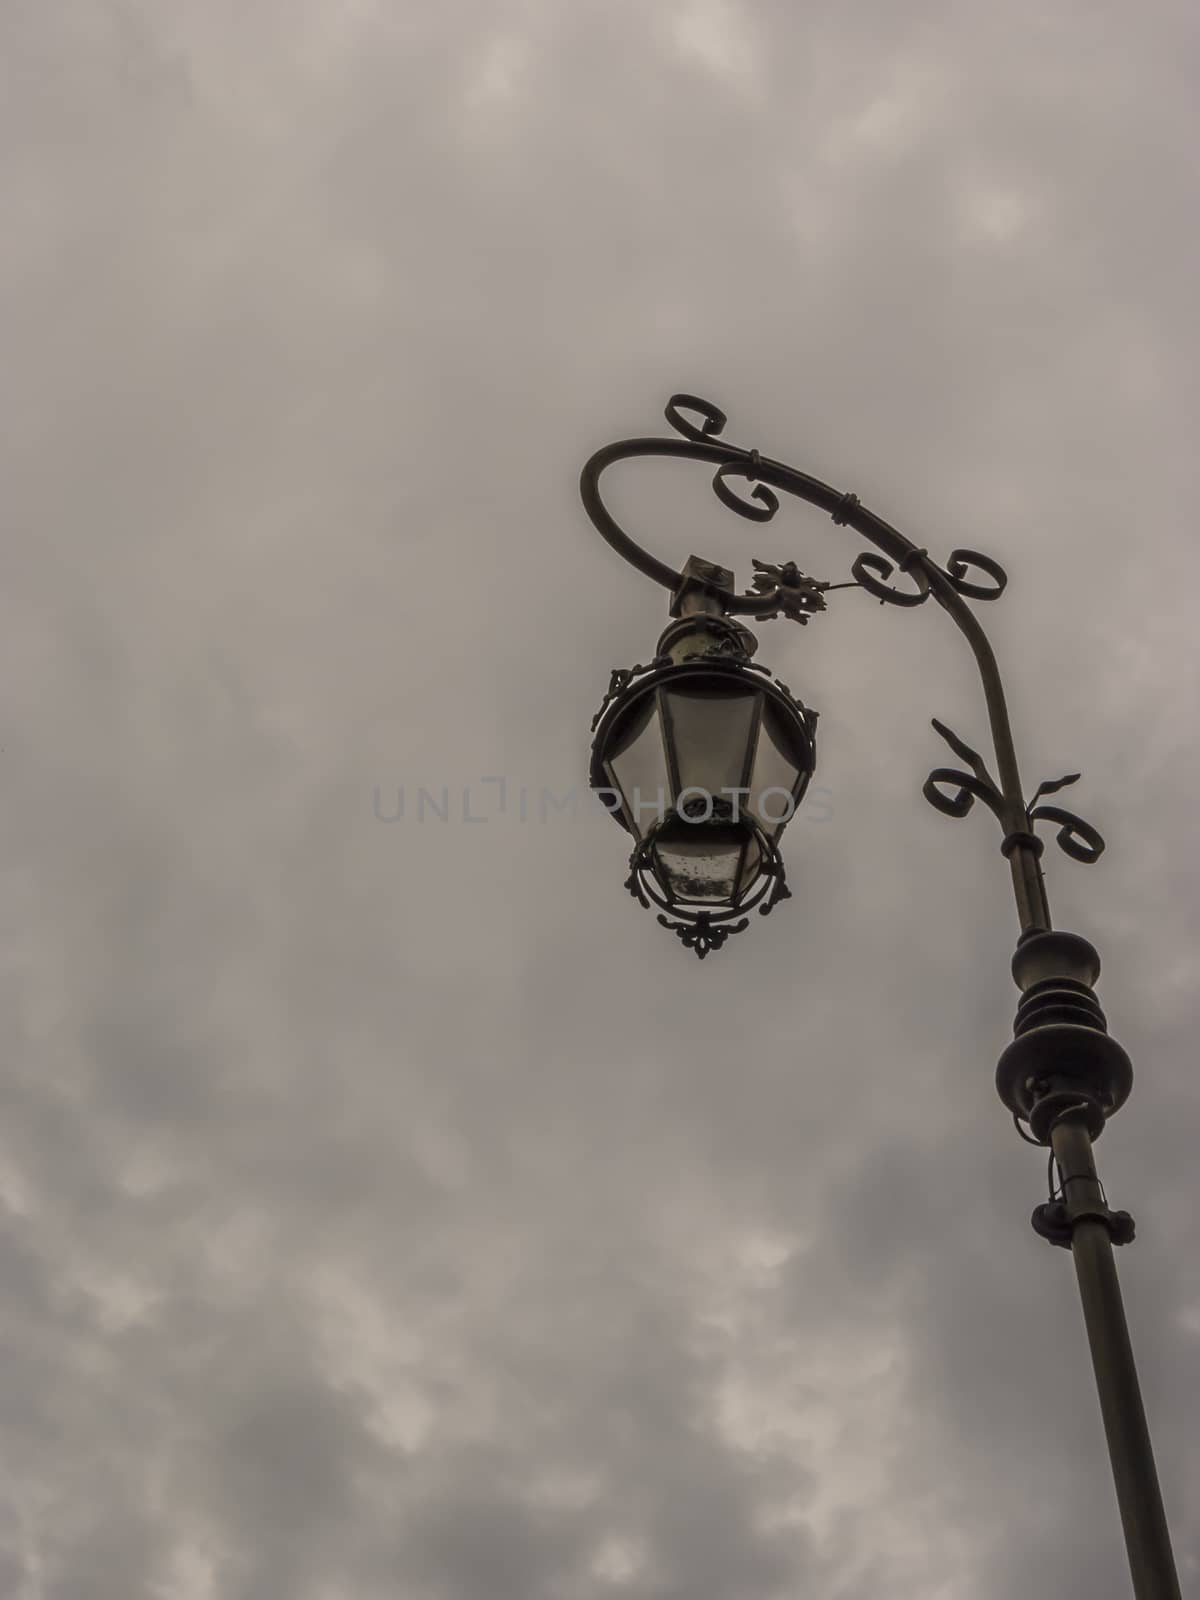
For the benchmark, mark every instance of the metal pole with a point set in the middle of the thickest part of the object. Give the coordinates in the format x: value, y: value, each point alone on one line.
x: 1147, y: 1538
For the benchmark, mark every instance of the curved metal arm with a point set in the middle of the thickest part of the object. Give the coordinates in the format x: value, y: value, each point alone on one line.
x: 949, y: 586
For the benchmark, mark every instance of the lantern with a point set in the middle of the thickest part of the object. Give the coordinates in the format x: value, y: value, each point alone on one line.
x: 703, y: 757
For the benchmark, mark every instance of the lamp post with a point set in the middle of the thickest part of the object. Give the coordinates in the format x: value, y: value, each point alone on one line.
x: 702, y: 756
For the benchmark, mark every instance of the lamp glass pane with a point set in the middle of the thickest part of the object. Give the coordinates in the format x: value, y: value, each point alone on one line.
x: 709, y: 733
x: 698, y: 862
x: 751, y: 867
x: 637, y: 766
x: 777, y: 768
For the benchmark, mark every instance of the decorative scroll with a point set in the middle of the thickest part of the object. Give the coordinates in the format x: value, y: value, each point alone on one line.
x: 960, y: 563
x: 870, y: 567
x: 704, y: 934
x: 966, y: 790
x: 714, y: 418
x: 1075, y: 837
x: 618, y: 679
x: 768, y: 501
x: 779, y: 891
x: 978, y: 784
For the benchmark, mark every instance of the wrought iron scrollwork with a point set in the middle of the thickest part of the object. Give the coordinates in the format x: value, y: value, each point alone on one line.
x: 703, y: 934
x: 618, y: 679
x: 961, y: 562
x: 978, y: 784
x: 714, y: 418
x: 870, y: 567
x: 768, y: 501
x: 966, y: 791
x: 701, y: 425
x: 1075, y: 837
x: 871, y: 570
x: 779, y: 889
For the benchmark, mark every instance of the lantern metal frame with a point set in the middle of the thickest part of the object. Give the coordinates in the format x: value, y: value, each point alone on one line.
x: 1063, y: 1076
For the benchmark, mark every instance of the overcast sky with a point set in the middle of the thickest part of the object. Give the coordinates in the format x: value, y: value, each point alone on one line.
x: 390, y: 1209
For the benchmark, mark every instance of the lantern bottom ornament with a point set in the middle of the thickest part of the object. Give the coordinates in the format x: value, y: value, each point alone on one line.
x: 708, y: 929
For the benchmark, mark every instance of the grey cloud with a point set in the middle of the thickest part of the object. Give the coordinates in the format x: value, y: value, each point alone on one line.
x: 397, y: 1210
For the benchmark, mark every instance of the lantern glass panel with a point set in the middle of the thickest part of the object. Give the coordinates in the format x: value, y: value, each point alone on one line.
x: 637, y: 766
x: 710, y: 735
x: 702, y: 863
x: 751, y: 865
x: 778, y: 765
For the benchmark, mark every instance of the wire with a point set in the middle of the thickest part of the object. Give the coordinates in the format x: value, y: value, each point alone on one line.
x: 1050, y: 1177
x: 1024, y: 1135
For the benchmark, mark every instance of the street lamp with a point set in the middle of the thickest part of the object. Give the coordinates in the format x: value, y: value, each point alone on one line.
x: 690, y: 749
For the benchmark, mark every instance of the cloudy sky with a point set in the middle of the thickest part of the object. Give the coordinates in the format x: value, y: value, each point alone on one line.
x: 389, y: 1209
